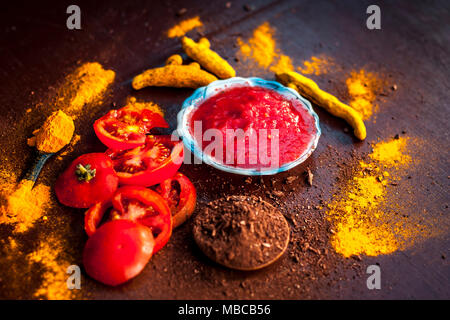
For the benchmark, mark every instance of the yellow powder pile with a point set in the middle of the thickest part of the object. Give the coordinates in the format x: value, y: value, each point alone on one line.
x: 183, y: 27
x: 391, y: 154
x: 85, y: 85
x: 55, y: 133
x: 54, y: 285
x: 362, y: 87
x: 362, y: 225
x: 316, y: 65
x: 23, y: 205
x: 283, y: 63
x: 262, y: 48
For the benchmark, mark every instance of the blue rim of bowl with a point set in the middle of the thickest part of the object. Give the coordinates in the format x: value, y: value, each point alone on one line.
x: 203, y: 93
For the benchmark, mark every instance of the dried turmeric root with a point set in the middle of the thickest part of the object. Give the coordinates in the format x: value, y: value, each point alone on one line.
x: 208, y: 59
x: 311, y: 90
x: 174, y: 74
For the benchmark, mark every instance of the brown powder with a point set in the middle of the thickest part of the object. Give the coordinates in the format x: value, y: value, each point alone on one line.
x: 240, y: 232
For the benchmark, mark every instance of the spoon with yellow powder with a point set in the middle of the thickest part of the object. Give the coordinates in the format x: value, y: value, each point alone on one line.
x: 55, y: 133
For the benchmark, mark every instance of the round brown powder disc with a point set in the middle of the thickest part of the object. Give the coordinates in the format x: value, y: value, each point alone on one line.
x: 240, y: 232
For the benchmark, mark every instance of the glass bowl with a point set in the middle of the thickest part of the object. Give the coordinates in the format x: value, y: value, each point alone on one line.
x: 203, y: 93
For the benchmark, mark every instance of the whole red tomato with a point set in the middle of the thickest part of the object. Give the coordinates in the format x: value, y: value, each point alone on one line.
x: 89, y: 179
x: 118, y: 251
x: 136, y: 204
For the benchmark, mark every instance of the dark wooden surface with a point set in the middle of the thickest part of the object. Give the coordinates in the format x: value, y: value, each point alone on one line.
x: 412, y: 50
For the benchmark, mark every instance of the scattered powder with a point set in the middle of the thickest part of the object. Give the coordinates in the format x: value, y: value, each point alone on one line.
x: 85, y: 85
x: 262, y: 48
x: 284, y: 63
x: 362, y: 87
x: 54, y: 285
x: 183, y: 27
x: 363, y: 221
x: 23, y: 203
x: 391, y: 153
x: 316, y: 65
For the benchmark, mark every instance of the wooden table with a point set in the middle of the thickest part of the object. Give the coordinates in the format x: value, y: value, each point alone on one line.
x: 411, y: 50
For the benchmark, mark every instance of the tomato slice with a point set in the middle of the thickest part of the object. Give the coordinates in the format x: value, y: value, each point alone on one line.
x: 127, y: 127
x: 149, y: 164
x: 118, y: 251
x: 136, y: 204
x: 180, y: 195
x: 94, y: 215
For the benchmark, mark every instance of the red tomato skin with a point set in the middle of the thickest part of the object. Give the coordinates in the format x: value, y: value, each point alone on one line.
x: 116, y: 143
x: 118, y: 251
x: 188, y: 197
x: 94, y: 215
x: 149, y: 197
x: 149, y: 178
x: 163, y: 221
x: 83, y: 194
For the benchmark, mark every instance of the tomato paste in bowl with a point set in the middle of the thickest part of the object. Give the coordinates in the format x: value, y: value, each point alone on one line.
x: 249, y: 126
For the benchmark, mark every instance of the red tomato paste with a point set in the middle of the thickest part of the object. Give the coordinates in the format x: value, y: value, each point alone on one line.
x: 277, y: 129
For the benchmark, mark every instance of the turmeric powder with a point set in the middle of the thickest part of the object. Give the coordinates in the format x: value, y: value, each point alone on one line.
x: 316, y: 65
x: 310, y: 89
x: 183, y: 27
x: 24, y: 204
x: 207, y: 58
x: 54, y: 285
x: 365, y: 217
x: 55, y: 133
x: 174, y: 74
x: 262, y: 48
x: 362, y: 87
x: 85, y: 85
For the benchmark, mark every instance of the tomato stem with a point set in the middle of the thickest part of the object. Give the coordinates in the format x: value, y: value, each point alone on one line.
x: 85, y: 173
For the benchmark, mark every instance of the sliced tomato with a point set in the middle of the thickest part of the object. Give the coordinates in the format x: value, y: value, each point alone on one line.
x: 94, y: 215
x: 118, y: 251
x: 149, y: 164
x: 180, y: 195
x: 127, y: 127
x: 136, y: 204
